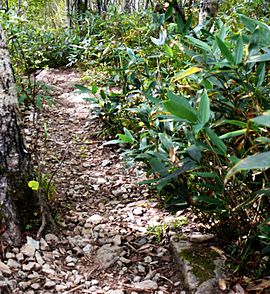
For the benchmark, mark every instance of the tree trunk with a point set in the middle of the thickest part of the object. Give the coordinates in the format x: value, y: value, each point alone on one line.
x: 68, y: 13
x: 14, y: 159
x: 208, y: 9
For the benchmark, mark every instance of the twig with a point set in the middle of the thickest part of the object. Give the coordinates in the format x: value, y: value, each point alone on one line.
x: 74, y: 289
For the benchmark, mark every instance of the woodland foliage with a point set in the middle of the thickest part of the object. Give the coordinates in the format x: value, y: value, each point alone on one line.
x: 191, y: 104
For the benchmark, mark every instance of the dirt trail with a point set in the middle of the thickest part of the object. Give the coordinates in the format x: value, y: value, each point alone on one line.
x: 103, y: 246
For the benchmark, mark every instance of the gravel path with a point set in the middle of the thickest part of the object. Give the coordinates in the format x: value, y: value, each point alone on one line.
x: 103, y: 245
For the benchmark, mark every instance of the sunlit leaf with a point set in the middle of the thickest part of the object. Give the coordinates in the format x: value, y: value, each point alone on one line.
x: 168, y: 50
x: 262, y: 120
x: 180, y: 107
x: 190, y: 71
x: 204, y: 109
x: 260, y: 74
x: 225, y: 50
x: 233, y: 134
x: 259, y: 58
x: 239, y: 50
x: 34, y: 185
x: 199, y: 43
x: 256, y: 161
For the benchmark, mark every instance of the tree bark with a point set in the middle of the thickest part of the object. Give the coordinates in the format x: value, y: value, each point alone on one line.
x: 208, y: 9
x: 14, y: 159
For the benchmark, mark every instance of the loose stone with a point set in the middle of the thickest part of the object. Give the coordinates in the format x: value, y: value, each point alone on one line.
x: 4, y: 268
x: 146, y: 285
x: 28, y: 250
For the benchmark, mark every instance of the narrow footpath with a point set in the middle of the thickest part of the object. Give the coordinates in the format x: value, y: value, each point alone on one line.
x: 103, y: 245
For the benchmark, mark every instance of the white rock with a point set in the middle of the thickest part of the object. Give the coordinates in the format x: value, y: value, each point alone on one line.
x: 28, y: 250
x: 44, y: 245
x: 94, y: 282
x: 148, y: 259
x: 116, y: 292
x: 33, y: 242
x: 95, y: 219
x: 200, y: 238
x: 49, y: 284
x: 146, y: 285
x: 117, y: 240
x: 137, y: 279
x: 13, y: 264
x: 108, y: 254
x: 35, y: 286
x: 138, y: 211
x: 29, y: 266
x: 70, y: 259
x: 39, y: 258
x: 141, y: 268
x: 88, y: 249
x: 24, y: 285
x: 19, y: 256
x: 10, y: 255
x: 101, y: 181
x: 51, y: 238
x: 47, y: 270
x: 4, y: 268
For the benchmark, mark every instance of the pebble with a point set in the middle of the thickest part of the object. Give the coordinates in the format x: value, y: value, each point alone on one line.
x: 28, y: 250
x: 51, y: 239
x: 4, y: 268
x: 95, y: 219
x: 146, y: 285
x: 10, y: 255
x: 29, y: 266
x: 138, y: 211
x: 49, y: 284
x: 13, y: 264
x: 44, y: 245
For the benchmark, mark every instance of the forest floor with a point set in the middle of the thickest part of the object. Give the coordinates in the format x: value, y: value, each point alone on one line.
x: 102, y: 245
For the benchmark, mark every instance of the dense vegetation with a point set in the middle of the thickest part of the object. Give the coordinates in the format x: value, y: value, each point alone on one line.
x: 189, y: 103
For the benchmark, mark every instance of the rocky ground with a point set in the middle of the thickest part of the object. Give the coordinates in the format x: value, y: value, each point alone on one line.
x: 102, y: 245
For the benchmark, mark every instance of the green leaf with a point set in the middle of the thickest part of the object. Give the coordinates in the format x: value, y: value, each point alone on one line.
x: 260, y: 74
x: 34, y: 185
x: 180, y: 107
x: 206, y: 175
x: 252, y: 23
x: 256, y: 161
x: 82, y: 89
x: 207, y: 199
x: 94, y: 89
x: 188, y: 24
x: 131, y: 54
x: 233, y: 134
x: 262, y: 120
x: 204, y: 109
x: 216, y: 141
x: 200, y: 44
x: 259, y: 58
x: 225, y: 50
x: 165, y: 141
x: 239, y: 50
x: 195, y: 153
x: 168, y: 50
x: 235, y: 123
x: 158, y: 167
